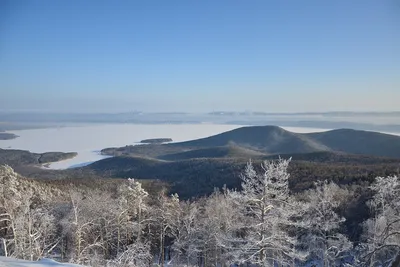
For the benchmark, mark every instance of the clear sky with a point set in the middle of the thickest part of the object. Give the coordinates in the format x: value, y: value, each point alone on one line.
x: 195, y: 56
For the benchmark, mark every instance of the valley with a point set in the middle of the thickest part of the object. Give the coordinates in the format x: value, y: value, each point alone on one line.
x: 194, y: 167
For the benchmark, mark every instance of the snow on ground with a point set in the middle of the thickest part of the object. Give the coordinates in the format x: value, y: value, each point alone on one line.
x: 11, y: 262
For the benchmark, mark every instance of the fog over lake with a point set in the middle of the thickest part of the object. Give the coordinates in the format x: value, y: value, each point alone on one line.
x: 88, y: 140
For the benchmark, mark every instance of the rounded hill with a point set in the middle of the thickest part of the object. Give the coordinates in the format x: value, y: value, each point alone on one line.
x: 267, y: 139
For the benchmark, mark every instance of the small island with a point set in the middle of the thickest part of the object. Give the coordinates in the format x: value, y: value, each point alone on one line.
x: 7, y: 136
x: 156, y: 141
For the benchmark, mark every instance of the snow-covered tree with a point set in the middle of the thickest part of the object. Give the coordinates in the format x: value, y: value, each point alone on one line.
x: 82, y: 226
x: 38, y: 229
x: 221, y: 227
x: 321, y: 222
x: 136, y: 255
x: 165, y: 217
x: 206, y: 230
x: 27, y: 228
x: 10, y: 202
x: 382, y: 230
x: 266, y: 234
x: 186, y: 235
x: 131, y: 213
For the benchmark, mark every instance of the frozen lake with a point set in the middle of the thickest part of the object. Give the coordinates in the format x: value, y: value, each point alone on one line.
x: 88, y: 140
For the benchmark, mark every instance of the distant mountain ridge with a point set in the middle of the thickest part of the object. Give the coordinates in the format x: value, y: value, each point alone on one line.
x: 267, y: 139
x: 197, y: 167
x: 359, y: 142
x: 271, y: 140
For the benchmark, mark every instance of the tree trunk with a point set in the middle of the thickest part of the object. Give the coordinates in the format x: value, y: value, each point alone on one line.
x: 63, y: 248
x: 15, y: 237
x: 30, y: 236
x: 139, y: 230
x: 262, y: 252
x: 216, y: 255
x: 118, y: 236
x: 78, y: 245
x: 205, y: 258
x: 5, y: 247
x: 162, y: 247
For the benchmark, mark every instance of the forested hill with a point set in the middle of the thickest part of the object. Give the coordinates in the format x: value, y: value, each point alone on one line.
x: 275, y: 140
x: 268, y: 139
x: 7, y: 136
x: 271, y: 140
x: 14, y: 157
x: 199, y: 176
x: 359, y: 142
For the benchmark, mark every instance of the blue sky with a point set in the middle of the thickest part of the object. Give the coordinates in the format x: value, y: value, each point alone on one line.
x: 277, y: 56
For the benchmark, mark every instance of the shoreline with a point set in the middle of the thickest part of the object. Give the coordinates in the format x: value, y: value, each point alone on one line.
x: 88, y: 140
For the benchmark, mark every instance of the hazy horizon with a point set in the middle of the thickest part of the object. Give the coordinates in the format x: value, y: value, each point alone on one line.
x: 205, y: 112
x: 183, y: 56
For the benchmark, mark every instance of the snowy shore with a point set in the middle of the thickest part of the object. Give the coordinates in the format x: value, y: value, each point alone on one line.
x: 11, y: 262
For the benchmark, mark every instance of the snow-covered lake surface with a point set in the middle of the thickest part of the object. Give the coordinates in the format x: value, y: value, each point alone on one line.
x: 88, y: 140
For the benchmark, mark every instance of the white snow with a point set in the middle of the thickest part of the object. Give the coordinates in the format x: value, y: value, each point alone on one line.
x: 11, y: 262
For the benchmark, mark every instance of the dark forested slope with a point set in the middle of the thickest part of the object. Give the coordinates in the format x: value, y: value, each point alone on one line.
x: 14, y: 157
x: 7, y: 136
x: 199, y: 176
x: 359, y: 142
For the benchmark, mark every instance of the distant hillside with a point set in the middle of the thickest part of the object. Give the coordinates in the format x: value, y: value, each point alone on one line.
x: 150, y: 150
x: 189, y: 178
x: 336, y: 158
x: 359, y: 142
x: 199, y: 176
x: 7, y: 136
x: 15, y: 157
x: 230, y: 151
x: 269, y: 140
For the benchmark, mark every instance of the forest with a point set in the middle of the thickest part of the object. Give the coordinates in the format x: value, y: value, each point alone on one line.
x: 262, y: 223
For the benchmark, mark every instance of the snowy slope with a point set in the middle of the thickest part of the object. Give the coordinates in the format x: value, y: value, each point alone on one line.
x: 10, y: 262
